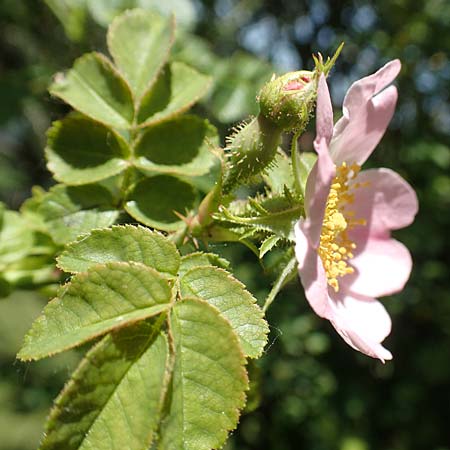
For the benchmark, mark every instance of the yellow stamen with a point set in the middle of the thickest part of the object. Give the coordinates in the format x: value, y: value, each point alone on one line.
x: 335, y: 247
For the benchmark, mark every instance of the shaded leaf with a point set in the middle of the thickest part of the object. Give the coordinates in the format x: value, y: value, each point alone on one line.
x: 113, y: 399
x: 140, y: 42
x: 80, y: 151
x: 154, y: 200
x: 209, y: 379
x: 179, y: 146
x: 121, y: 243
x: 177, y: 88
x: 69, y: 211
x: 236, y: 304
x: 104, y: 298
x: 94, y: 87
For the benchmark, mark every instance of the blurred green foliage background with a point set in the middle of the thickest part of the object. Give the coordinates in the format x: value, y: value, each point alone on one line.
x: 316, y: 393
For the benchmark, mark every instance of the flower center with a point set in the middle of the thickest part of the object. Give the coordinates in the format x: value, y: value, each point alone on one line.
x: 335, y: 248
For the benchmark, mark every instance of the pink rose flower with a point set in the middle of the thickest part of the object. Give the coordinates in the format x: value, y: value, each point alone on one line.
x: 346, y: 256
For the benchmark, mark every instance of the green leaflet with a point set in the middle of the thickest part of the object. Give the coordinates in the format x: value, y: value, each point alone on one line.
x: 113, y: 399
x: 95, y: 302
x: 177, y: 88
x: 209, y: 379
x: 80, y: 151
x: 16, y: 238
x: 235, y: 303
x: 140, y: 42
x: 200, y: 259
x: 69, y: 211
x: 155, y: 200
x: 181, y: 146
x: 94, y: 87
x: 121, y: 243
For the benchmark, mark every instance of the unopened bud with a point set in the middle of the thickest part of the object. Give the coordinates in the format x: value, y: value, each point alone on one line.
x: 288, y: 101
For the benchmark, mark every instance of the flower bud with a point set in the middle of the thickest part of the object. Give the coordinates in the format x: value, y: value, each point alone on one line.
x: 288, y: 101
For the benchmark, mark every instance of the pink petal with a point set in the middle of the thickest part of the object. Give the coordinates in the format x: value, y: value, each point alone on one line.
x: 363, y: 323
x: 382, y: 267
x: 311, y: 271
x: 387, y: 202
x: 324, y: 112
x: 365, y: 116
x: 317, y: 190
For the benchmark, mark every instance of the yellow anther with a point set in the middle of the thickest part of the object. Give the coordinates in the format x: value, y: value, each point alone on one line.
x: 335, y: 246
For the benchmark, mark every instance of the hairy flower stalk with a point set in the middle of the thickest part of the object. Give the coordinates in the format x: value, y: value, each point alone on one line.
x: 251, y: 149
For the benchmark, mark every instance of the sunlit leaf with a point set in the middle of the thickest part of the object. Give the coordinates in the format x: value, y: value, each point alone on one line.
x: 94, y: 87
x: 229, y: 296
x: 113, y: 399
x: 121, y: 243
x: 200, y: 259
x: 209, y: 379
x: 104, y: 298
x: 140, y: 42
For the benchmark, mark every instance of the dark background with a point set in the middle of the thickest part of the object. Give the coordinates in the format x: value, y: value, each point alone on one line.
x: 317, y: 393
